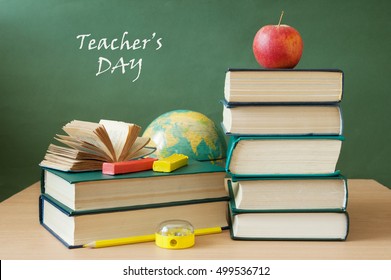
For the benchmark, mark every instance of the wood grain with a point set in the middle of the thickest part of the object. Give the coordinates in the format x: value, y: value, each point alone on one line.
x: 369, y: 207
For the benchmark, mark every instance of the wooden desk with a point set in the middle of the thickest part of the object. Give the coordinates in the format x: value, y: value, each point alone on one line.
x: 369, y: 207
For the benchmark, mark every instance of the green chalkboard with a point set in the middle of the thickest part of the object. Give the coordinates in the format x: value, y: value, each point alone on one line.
x: 134, y: 60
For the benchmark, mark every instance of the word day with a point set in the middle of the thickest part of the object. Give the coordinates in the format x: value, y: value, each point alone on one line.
x: 87, y: 42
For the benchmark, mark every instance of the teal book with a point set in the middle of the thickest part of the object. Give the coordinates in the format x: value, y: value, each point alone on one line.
x: 254, y: 225
x: 94, y: 191
x: 76, y: 228
x: 270, y: 156
x: 283, y: 86
x: 287, y: 194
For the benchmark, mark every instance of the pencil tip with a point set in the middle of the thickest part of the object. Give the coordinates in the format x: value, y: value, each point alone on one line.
x: 88, y: 245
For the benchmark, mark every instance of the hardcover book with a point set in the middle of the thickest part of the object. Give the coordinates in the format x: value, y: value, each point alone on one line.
x: 286, y: 194
x: 90, y: 144
x: 282, y: 120
x: 74, y: 229
x: 288, y: 225
x: 83, y: 191
x: 257, y: 86
x: 258, y: 156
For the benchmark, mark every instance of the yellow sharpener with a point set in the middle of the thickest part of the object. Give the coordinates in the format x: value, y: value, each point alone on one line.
x: 175, y: 234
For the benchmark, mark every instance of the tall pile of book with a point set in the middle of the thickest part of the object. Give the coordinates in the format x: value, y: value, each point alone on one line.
x: 285, y: 130
x: 86, y: 206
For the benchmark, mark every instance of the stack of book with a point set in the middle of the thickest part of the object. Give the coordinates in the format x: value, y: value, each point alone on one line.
x: 285, y: 129
x: 82, y: 207
x: 79, y: 204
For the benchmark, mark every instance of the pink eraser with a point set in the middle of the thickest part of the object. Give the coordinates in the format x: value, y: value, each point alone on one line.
x: 136, y: 165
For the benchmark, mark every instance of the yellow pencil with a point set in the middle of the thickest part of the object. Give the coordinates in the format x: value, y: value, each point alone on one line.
x: 142, y: 238
x: 120, y: 241
x: 203, y: 231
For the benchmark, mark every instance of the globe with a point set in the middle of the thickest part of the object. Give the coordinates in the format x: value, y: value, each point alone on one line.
x: 185, y: 132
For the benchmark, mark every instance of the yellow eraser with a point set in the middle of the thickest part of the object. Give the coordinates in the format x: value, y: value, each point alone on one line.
x: 170, y: 163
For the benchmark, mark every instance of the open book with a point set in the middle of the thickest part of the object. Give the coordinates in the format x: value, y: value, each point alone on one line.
x: 90, y: 144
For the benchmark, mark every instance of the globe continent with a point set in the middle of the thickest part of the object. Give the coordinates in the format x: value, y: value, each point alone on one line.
x: 185, y: 132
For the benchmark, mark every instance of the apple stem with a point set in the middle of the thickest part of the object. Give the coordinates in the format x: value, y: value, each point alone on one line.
x: 279, y: 22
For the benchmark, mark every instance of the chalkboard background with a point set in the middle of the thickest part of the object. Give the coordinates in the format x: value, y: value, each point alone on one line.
x: 46, y: 80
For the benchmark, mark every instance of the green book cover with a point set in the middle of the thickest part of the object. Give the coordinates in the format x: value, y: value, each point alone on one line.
x: 193, y: 167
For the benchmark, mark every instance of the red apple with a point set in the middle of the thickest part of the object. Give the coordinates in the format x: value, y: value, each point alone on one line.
x: 278, y: 46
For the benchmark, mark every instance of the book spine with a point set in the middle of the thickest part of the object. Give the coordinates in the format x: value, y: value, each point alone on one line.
x: 231, y: 146
x: 42, y: 223
x: 42, y: 182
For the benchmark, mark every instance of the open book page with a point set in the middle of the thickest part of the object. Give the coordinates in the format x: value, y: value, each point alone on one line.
x: 83, y: 146
x: 137, y: 150
x: 90, y: 144
x: 78, y: 154
x: 92, y: 133
x: 68, y: 164
x: 122, y: 136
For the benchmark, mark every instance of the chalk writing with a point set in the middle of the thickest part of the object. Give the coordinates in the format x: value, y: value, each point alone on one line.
x: 105, y: 65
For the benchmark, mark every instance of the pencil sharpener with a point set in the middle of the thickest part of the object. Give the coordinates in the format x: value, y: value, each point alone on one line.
x: 175, y: 234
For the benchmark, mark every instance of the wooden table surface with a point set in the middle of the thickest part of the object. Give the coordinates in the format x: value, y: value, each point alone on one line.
x: 369, y: 207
